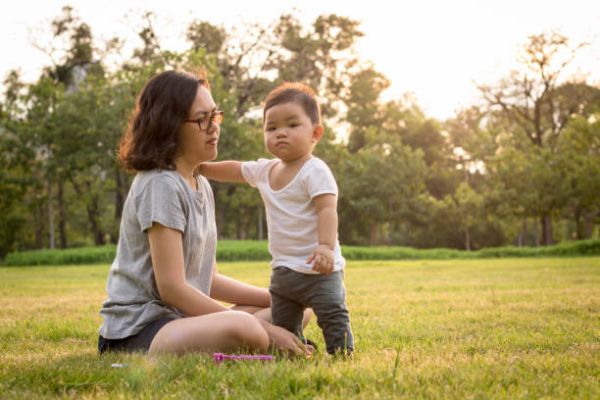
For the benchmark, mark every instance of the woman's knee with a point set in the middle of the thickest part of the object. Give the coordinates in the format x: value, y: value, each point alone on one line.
x: 223, y: 331
x: 247, y: 330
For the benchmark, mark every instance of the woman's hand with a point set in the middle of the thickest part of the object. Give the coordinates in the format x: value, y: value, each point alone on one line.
x: 285, y: 341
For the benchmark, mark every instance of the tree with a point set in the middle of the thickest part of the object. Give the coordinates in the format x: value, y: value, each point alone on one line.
x: 14, y: 168
x: 363, y: 103
x: 475, y: 180
x: 380, y: 185
x: 529, y: 99
x: 322, y: 57
x: 579, y: 158
x: 469, y: 205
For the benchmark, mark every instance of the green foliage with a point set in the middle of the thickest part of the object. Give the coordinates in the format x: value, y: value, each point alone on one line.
x: 81, y: 255
x: 491, y: 176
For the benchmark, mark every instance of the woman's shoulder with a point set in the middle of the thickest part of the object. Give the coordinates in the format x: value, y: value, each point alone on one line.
x: 203, y: 182
x: 159, y: 188
x: 159, y: 178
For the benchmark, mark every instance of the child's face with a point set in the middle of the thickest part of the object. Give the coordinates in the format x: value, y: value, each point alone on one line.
x: 289, y: 132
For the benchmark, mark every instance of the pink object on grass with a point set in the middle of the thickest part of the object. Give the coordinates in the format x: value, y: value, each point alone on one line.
x: 220, y: 357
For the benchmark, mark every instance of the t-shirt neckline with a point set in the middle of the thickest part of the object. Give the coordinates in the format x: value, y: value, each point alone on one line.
x: 291, y: 181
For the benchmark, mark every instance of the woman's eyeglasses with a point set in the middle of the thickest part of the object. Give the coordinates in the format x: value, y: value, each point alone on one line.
x: 207, y: 119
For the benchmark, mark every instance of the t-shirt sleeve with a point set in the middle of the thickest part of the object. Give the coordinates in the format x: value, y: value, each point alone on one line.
x: 160, y: 201
x: 320, y: 181
x: 252, y: 171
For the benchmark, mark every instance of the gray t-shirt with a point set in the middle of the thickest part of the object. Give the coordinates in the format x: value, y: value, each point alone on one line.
x: 163, y: 197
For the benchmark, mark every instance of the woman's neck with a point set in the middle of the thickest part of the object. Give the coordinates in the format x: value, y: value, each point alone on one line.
x: 186, y: 170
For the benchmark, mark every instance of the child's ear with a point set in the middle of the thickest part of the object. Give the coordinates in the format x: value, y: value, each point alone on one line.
x: 318, y: 131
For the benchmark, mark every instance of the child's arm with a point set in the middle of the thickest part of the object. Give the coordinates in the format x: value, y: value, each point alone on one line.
x: 327, y: 224
x: 222, y: 171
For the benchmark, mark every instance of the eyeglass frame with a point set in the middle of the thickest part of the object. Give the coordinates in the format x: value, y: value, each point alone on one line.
x: 208, y: 119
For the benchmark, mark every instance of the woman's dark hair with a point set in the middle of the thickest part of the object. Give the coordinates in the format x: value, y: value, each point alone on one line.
x: 295, y: 92
x: 150, y: 141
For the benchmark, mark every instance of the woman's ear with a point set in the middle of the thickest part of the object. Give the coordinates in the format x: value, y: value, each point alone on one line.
x: 318, y: 131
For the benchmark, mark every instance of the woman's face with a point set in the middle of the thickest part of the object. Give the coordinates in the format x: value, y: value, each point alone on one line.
x: 197, y: 145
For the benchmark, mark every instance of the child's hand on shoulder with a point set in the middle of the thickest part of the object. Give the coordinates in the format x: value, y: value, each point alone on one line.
x: 322, y: 259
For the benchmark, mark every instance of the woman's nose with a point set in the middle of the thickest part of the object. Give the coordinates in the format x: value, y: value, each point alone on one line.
x: 213, y: 128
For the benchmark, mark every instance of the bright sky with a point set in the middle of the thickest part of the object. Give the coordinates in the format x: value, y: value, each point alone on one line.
x: 434, y: 49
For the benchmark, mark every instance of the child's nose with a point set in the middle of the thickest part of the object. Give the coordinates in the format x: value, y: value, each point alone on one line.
x: 281, y: 132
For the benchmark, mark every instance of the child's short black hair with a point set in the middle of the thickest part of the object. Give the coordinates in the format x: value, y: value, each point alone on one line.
x: 295, y: 92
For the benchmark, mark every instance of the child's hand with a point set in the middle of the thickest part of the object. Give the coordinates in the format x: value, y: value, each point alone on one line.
x: 322, y: 259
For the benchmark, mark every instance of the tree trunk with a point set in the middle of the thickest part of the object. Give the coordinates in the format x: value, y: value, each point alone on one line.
x: 62, y: 214
x: 535, y: 230
x: 220, y: 210
x: 547, y: 238
x: 589, y: 223
x: 467, y: 239
x: 51, y: 243
x: 523, y: 234
x: 373, y: 235
x: 93, y: 213
x: 39, y: 227
x: 578, y: 224
x: 239, y: 225
x: 260, y: 223
x: 230, y: 194
x: 119, y: 194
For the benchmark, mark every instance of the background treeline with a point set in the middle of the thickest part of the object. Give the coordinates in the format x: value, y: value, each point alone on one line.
x: 519, y: 168
x: 255, y: 250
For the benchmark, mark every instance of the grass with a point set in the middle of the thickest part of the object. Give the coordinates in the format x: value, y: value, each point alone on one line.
x: 502, y: 328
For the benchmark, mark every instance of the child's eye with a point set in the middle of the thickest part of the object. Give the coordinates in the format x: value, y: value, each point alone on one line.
x: 293, y: 125
x: 270, y: 128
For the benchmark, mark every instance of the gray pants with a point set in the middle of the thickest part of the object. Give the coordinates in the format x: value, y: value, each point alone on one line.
x: 292, y: 292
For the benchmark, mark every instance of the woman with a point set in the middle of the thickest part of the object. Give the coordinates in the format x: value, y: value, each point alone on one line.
x: 163, y: 286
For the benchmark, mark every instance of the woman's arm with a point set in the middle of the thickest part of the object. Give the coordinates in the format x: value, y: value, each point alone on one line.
x: 233, y: 291
x: 223, y: 171
x: 166, y: 251
x: 167, y: 261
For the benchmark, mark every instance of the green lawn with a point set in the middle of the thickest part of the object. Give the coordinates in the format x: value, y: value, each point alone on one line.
x: 503, y: 328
